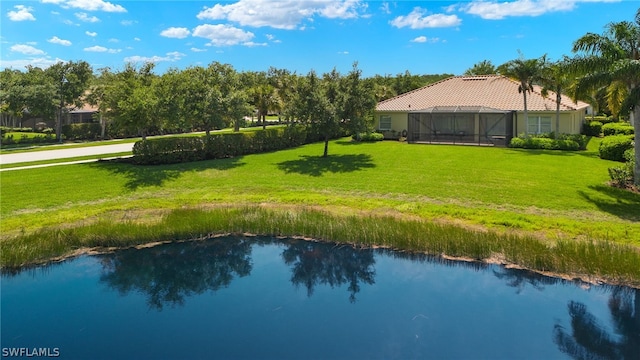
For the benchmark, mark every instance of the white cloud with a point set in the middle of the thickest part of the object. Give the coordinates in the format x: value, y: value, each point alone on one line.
x: 282, y: 14
x: 343, y: 52
x: 98, y: 48
x: 88, y: 5
x: 222, y: 35
x: 170, y: 56
x: 198, y: 50
x: 69, y: 22
x: 42, y: 62
x: 176, y: 32
x: 136, y: 39
x: 22, y: 13
x: 113, y: 40
x: 493, y: 10
x: 253, y: 44
x: 385, y: 8
x: 418, y: 19
x: 26, y: 49
x: 347, y: 9
x: 86, y: 18
x: 57, y: 40
x: 91, y: 33
x: 127, y: 22
x: 424, y: 39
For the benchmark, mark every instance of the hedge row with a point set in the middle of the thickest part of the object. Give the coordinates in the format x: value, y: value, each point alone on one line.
x: 563, y: 142
x: 85, y: 131
x: 617, y: 129
x: 613, y: 147
x: 217, y: 146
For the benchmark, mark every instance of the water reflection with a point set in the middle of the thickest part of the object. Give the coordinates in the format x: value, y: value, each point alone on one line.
x: 589, y: 339
x: 315, y: 263
x: 168, y: 273
x: 424, y: 306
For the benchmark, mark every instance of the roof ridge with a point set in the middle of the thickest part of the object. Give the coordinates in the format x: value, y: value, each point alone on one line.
x: 415, y: 90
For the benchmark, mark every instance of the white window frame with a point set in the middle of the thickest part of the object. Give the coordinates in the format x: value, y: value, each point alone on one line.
x: 385, y: 118
x: 537, y: 122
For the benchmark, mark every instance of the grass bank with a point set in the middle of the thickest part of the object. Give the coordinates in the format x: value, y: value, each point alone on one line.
x: 586, y: 259
x: 550, y: 196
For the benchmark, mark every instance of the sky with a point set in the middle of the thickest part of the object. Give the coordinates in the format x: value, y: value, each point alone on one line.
x: 384, y: 37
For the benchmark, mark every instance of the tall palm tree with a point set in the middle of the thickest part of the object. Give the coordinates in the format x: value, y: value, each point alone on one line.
x: 526, y: 72
x: 614, y: 58
x: 556, y: 78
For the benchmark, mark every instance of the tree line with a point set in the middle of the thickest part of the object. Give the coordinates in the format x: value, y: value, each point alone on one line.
x: 605, y: 67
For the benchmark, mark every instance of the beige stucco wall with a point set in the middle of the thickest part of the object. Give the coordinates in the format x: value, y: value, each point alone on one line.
x: 570, y: 121
x: 399, y: 120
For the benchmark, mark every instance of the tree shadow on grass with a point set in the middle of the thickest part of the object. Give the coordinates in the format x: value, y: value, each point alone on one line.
x: 621, y: 203
x: 156, y: 175
x: 317, y: 165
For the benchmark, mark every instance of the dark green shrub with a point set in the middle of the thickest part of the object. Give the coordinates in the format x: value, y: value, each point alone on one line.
x: 564, y: 142
x: 85, y: 131
x: 622, y: 176
x: 617, y: 129
x: 216, y: 146
x: 600, y: 118
x: 369, y: 137
x: 592, y: 128
x: 613, y: 147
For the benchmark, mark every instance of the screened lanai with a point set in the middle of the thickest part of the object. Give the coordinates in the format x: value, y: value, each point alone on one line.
x: 460, y: 125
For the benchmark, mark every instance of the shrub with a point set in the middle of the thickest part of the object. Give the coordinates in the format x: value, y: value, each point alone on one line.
x: 622, y: 176
x: 369, y: 137
x: 617, y: 129
x: 614, y: 147
x: 592, y: 128
x: 600, y: 118
x: 564, y: 142
x: 86, y: 131
x: 216, y: 146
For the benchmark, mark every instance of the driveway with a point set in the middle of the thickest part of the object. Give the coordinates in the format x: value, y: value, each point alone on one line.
x: 63, y: 153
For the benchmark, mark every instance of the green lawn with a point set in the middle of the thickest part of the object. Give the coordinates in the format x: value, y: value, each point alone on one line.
x: 545, y: 193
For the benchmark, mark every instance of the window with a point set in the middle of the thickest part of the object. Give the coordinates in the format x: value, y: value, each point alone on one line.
x: 539, y: 124
x: 385, y: 122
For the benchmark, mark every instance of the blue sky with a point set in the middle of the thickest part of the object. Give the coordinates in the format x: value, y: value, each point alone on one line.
x: 384, y: 37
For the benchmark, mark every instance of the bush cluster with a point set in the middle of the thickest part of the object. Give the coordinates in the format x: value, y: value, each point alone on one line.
x: 614, y: 147
x: 622, y: 176
x: 617, y: 129
x: 86, y: 131
x: 217, y: 146
x: 546, y: 141
x: 369, y: 137
x: 592, y: 128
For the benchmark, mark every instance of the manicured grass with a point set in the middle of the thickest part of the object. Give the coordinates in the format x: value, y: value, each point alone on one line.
x: 547, y: 195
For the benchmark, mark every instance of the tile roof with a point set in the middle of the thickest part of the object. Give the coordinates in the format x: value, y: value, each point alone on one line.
x: 491, y: 91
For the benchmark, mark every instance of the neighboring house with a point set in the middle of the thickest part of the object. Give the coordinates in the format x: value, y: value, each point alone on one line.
x: 84, y: 114
x: 485, y: 109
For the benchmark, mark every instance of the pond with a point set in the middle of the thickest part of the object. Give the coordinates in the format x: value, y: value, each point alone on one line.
x: 266, y: 298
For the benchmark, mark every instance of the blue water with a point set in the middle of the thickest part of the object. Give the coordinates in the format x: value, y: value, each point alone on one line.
x: 262, y: 298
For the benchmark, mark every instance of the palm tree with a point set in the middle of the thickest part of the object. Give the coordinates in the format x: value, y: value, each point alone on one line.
x: 613, y: 59
x: 526, y: 72
x: 556, y: 78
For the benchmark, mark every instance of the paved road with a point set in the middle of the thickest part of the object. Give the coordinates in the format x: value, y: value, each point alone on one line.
x: 63, y: 153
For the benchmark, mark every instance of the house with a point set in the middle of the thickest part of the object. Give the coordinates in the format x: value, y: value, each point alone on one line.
x: 485, y: 109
